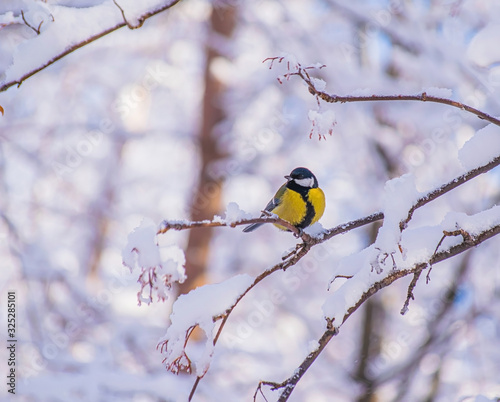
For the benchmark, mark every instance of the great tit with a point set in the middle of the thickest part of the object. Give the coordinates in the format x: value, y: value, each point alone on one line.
x: 299, y: 201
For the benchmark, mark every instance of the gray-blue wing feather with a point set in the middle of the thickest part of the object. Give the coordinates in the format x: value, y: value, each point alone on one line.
x: 275, y: 201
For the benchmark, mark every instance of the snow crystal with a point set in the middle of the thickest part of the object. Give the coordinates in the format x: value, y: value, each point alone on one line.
x: 199, y: 307
x: 438, y: 92
x: 482, y: 148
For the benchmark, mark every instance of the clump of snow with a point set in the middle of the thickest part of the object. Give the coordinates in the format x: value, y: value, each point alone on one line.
x: 482, y: 148
x: 234, y: 214
x: 160, y: 267
x: 318, y: 83
x: 400, y: 194
x: 141, y: 248
x: 474, y: 224
x: 315, y: 230
x: 200, y: 307
x: 438, y: 92
x: 322, y: 122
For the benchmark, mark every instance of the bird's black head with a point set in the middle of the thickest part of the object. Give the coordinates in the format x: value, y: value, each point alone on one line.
x: 303, y: 177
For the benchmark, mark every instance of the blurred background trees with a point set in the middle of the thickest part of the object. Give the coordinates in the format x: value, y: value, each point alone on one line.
x: 180, y: 117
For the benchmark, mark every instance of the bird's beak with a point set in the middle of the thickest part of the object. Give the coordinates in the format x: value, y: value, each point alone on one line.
x: 288, y: 178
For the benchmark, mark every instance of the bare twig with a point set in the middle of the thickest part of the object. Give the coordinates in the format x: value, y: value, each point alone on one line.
x: 37, y: 30
x: 140, y: 22
x: 410, y: 296
x: 459, y: 232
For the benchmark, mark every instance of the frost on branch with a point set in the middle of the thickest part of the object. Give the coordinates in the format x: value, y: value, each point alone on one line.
x: 160, y: 267
x: 201, y: 307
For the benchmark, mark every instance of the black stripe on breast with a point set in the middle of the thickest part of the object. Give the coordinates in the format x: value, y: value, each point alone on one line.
x: 310, y: 211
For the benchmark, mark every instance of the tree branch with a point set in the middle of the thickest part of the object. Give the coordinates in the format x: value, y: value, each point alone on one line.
x: 91, y: 39
x: 302, y: 72
x: 422, y: 97
x: 452, y: 184
x: 291, y: 382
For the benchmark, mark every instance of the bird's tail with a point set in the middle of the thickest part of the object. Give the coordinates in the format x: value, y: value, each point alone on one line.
x: 252, y: 227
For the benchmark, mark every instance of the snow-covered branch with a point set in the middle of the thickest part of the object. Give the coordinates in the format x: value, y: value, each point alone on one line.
x: 288, y: 385
x: 66, y: 29
x: 316, y: 88
x: 398, y: 251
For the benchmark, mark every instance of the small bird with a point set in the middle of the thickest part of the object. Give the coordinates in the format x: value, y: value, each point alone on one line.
x: 299, y: 201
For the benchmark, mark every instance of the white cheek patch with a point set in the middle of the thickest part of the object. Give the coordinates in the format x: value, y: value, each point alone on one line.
x: 307, y: 182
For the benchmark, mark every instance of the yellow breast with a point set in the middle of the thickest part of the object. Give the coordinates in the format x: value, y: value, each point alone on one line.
x: 317, y: 199
x: 293, y: 207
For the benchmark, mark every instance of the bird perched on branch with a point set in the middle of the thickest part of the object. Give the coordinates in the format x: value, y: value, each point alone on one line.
x: 299, y: 201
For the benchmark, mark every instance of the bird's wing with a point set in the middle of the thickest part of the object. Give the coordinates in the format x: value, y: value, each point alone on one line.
x: 269, y: 207
x: 276, y: 200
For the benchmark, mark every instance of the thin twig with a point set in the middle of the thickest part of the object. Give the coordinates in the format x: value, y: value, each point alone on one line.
x: 410, y: 295
x: 129, y: 25
x: 37, y: 30
x: 459, y: 232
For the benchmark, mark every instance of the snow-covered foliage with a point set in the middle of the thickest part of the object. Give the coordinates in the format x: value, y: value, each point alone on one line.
x: 160, y: 268
x: 200, y: 307
x: 101, y: 145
